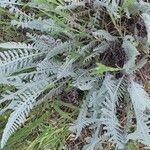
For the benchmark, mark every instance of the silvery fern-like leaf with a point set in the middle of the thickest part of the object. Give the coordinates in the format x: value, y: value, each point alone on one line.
x: 13, y: 99
x: 146, y: 18
x: 101, y: 48
x: 85, y: 49
x: 12, y: 61
x: 22, y: 101
x: 43, y: 39
x: 29, y: 21
x: 49, y: 67
x: 114, y: 130
x: 20, y: 80
x: 52, y: 93
x: 38, y: 5
x: 102, y: 34
x: 21, y: 15
x: 97, y: 15
x: 112, y: 6
x: 14, y: 45
x: 72, y: 5
x: 109, y: 119
x: 94, y: 142
x: 130, y: 51
x: 43, y: 42
x: 33, y: 87
x: 95, y: 99
x: 9, y: 3
x: 121, y: 86
x: 139, y: 96
x: 100, y: 108
x: 100, y: 3
x: 18, y: 117
x: 84, y: 82
x: 142, y: 132
x: 141, y: 102
x: 91, y: 56
x: 141, y: 63
x: 80, y: 14
x: 14, y: 81
x: 59, y: 49
x: 38, y: 24
x: 82, y: 121
x: 142, y: 6
x: 66, y: 69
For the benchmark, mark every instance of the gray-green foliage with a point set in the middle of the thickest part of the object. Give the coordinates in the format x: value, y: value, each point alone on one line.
x: 58, y: 53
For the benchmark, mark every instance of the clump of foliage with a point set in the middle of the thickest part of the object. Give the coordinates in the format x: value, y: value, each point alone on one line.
x: 82, y: 44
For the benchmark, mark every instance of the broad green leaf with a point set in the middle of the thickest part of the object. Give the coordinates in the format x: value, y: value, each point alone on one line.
x: 100, y: 69
x: 131, y: 146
